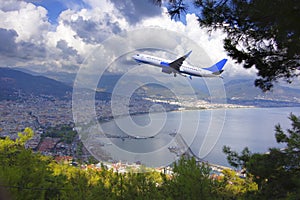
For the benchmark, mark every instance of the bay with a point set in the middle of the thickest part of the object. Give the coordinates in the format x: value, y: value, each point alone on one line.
x: 151, y: 137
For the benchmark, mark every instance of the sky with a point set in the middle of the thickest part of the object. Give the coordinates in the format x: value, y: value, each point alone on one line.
x: 59, y: 35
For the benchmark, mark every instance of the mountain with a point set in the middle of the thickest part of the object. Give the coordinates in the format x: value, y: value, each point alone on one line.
x: 64, y: 77
x: 243, y: 91
x: 14, y: 83
x: 106, y: 82
x: 238, y: 91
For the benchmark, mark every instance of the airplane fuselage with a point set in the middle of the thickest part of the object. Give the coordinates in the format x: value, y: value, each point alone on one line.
x: 184, y: 69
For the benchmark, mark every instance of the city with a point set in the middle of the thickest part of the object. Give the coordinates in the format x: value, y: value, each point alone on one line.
x: 49, y: 115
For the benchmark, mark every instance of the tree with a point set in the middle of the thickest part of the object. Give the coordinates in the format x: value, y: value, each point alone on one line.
x: 236, y: 160
x: 26, y: 175
x: 140, y: 185
x: 234, y: 187
x: 277, y: 172
x: 261, y: 34
x: 191, y: 180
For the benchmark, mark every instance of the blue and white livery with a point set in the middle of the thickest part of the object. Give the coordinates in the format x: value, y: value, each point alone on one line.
x: 180, y: 66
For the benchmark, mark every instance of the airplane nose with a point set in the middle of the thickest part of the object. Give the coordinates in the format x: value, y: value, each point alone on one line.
x: 135, y: 57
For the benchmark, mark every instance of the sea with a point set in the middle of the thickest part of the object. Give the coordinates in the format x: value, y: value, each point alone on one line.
x: 158, y: 139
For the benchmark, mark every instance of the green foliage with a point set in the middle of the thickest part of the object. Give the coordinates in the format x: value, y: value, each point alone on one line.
x: 261, y: 34
x: 79, y: 148
x: 234, y: 187
x: 25, y: 136
x: 277, y: 172
x: 28, y: 175
x: 191, y: 180
x: 65, y: 132
x: 236, y: 160
x: 20, y: 169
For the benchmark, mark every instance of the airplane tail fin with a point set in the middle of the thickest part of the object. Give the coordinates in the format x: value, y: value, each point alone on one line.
x: 218, y: 67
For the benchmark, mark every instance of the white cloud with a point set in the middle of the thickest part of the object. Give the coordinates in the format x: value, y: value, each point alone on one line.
x: 105, y: 5
x: 29, y: 21
x: 80, y: 30
x: 211, y: 44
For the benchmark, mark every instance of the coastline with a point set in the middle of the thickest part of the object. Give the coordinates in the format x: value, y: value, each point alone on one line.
x: 252, y: 142
x: 184, y: 109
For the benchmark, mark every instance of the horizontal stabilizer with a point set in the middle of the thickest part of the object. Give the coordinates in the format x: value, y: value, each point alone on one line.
x: 218, y: 72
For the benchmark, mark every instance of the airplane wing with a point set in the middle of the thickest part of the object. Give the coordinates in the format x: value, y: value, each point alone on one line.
x: 178, y: 62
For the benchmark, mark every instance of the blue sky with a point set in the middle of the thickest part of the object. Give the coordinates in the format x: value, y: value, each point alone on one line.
x: 55, y: 7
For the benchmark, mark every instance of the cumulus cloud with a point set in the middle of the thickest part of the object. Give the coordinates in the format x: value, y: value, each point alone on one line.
x: 28, y: 20
x: 136, y: 10
x: 14, y: 52
x: 132, y: 11
x: 7, y: 41
x: 30, y: 39
x: 23, y: 27
x: 210, y: 45
x: 62, y: 45
x: 93, y: 30
x: 68, y: 52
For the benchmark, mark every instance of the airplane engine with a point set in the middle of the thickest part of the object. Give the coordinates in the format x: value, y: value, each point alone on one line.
x: 166, y: 70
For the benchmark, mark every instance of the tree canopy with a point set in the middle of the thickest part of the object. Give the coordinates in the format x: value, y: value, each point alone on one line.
x: 261, y: 34
x: 272, y: 175
x: 276, y: 172
x: 25, y: 174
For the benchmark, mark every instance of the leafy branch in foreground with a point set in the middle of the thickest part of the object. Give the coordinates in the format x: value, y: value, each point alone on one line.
x: 276, y: 172
x: 261, y: 34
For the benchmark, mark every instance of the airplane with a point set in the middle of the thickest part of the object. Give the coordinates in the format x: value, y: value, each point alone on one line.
x: 181, y: 67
